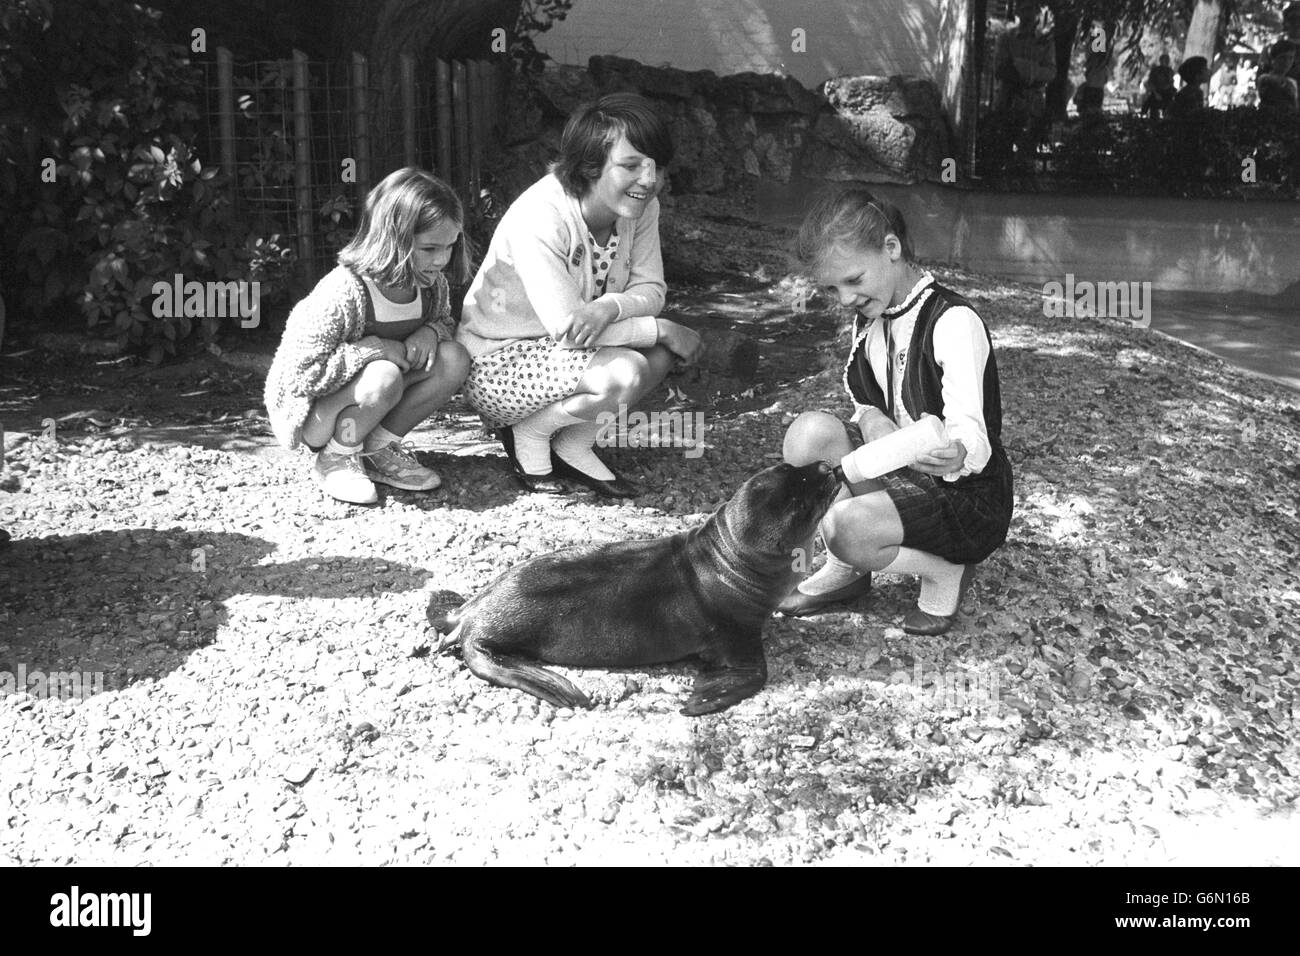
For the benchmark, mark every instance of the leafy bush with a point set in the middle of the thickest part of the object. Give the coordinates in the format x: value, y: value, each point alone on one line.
x: 535, y: 16
x: 102, y: 94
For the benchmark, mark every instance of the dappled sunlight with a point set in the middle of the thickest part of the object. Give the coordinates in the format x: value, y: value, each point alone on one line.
x: 744, y: 30
x: 1065, y: 519
x: 900, y: 31
x: 842, y: 37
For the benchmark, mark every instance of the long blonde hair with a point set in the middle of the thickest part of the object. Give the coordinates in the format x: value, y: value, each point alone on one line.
x: 407, y: 202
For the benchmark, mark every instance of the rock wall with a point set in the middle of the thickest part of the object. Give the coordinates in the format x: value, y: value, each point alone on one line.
x: 733, y: 131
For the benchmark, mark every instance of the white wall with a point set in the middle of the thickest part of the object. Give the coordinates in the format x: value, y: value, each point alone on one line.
x: 844, y: 37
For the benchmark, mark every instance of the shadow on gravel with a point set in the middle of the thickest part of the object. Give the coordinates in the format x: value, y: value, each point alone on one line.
x: 472, y: 482
x: 134, y: 602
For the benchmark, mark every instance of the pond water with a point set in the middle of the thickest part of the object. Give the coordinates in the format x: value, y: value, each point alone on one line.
x: 1195, y: 253
x: 1261, y: 340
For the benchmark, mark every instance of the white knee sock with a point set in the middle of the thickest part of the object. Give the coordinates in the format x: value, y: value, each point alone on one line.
x: 335, y: 447
x: 940, y: 579
x: 831, y: 576
x: 533, y: 437
x: 573, y: 443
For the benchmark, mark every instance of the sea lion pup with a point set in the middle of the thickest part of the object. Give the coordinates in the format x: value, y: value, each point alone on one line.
x: 704, y: 592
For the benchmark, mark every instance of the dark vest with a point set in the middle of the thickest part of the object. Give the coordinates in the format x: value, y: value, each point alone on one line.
x: 923, y: 376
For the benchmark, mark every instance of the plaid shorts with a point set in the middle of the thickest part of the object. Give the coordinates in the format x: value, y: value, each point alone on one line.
x: 961, y: 521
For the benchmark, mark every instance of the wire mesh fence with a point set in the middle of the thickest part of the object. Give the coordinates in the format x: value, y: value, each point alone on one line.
x: 306, y: 139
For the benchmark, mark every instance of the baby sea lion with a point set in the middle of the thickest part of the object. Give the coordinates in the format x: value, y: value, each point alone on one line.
x: 704, y: 592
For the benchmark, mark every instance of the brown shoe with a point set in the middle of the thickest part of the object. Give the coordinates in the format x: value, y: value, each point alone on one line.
x: 798, y: 604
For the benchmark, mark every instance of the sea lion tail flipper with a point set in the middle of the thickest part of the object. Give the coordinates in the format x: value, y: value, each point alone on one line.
x: 443, y: 611
x: 508, y: 670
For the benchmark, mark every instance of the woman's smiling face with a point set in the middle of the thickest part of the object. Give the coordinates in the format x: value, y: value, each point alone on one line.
x: 628, y: 182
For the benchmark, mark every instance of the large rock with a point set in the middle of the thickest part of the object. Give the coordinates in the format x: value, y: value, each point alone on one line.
x: 841, y: 149
x: 616, y: 74
x: 895, y: 124
x: 699, y: 164
x: 762, y: 93
x: 559, y: 92
x: 730, y: 131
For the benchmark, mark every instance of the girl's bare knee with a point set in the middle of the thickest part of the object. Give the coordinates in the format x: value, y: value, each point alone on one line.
x: 625, y: 376
x: 659, y: 362
x: 379, y: 384
x: 848, y: 530
x: 452, y: 363
x: 814, y: 436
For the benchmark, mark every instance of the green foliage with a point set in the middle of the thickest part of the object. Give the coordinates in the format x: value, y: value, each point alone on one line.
x: 1197, y: 155
x: 96, y: 88
x: 535, y: 16
x: 1252, y: 22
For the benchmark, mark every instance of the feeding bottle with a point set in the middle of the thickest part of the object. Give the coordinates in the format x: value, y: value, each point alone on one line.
x: 895, y: 450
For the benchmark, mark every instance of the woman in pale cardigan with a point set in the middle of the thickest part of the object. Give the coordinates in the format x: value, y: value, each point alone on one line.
x: 560, y: 320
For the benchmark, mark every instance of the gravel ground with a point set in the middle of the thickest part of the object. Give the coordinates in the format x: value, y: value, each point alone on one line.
x: 269, y: 696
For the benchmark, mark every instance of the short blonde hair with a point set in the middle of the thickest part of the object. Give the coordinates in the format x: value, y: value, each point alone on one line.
x: 849, y: 218
x: 407, y: 202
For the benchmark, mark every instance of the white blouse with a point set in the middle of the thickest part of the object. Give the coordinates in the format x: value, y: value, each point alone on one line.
x: 961, y: 348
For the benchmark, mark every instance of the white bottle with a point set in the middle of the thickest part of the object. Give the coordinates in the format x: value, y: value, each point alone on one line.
x: 895, y: 450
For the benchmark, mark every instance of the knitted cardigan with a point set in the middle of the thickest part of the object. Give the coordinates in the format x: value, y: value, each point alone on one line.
x: 325, y: 346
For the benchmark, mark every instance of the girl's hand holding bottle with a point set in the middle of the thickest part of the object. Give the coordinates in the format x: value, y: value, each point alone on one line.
x: 941, y: 461
x: 923, y: 446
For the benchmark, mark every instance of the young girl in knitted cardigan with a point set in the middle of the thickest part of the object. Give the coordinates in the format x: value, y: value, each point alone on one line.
x: 369, y: 353
x: 918, y: 349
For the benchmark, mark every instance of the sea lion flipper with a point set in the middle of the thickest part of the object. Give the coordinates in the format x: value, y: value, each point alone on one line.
x: 509, y: 670
x: 721, y: 684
